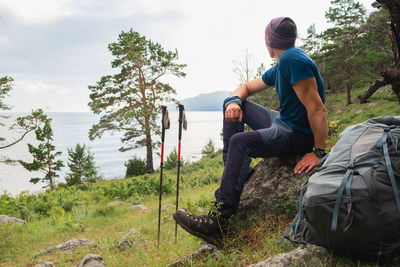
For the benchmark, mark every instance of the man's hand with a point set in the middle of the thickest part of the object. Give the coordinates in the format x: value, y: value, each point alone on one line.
x: 307, y: 163
x: 233, y: 113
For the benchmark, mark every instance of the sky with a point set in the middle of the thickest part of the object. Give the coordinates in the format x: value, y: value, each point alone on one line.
x: 55, y: 49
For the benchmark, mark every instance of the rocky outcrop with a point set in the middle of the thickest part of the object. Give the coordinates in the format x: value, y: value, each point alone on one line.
x: 69, y: 245
x: 128, y: 240
x: 305, y: 255
x: 92, y: 260
x: 46, y: 264
x: 272, y: 190
x: 5, y: 219
x: 203, y: 252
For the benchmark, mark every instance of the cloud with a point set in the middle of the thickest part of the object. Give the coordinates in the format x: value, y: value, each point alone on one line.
x: 36, y: 12
x: 77, y: 43
x: 61, y: 45
x: 49, y: 93
x: 39, y: 12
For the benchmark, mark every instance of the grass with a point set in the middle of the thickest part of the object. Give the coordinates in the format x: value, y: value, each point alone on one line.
x: 91, y: 217
x: 382, y: 103
x: 19, y: 244
x: 66, y: 213
x: 105, y: 225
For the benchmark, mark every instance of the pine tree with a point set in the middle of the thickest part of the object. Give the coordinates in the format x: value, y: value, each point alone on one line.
x: 23, y: 125
x: 44, y: 157
x: 339, y: 48
x: 90, y: 170
x: 76, y: 159
x: 5, y: 88
x: 81, y: 166
x: 130, y: 100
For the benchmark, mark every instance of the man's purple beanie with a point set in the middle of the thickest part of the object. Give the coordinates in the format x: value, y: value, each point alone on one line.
x: 272, y: 39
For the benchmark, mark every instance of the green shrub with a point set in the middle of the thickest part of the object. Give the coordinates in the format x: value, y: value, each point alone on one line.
x: 42, y: 204
x: 149, y: 184
x: 135, y: 167
x: 172, y: 160
x: 204, y: 201
x: 288, y: 206
x: 8, y: 205
x: 121, y: 190
x: 104, y: 211
x: 82, y: 213
x: 209, y: 149
x: 333, y: 134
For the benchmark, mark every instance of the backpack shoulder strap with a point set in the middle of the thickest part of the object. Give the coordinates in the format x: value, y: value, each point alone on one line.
x: 389, y: 168
x: 346, y: 182
x: 294, y: 225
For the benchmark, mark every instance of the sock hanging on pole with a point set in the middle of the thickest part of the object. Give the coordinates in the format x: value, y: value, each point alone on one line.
x: 164, y: 126
x: 182, y: 122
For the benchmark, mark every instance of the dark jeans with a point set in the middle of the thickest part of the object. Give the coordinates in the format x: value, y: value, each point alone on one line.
x: 271, y: 137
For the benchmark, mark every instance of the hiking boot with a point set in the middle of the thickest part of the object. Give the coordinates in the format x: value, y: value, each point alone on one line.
x: 211, y: 228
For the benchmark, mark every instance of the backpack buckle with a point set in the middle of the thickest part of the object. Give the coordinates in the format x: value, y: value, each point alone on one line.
x: 350, y: 165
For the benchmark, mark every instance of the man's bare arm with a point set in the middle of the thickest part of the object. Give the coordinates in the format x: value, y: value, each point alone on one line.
x: 233, y: 111
x: 249, y: 88
x: 307, y: 92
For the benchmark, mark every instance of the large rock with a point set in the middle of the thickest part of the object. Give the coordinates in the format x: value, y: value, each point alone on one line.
x: 46, y: 264
x: 69, y: 245
x: 92, y: 260
x: 5, y: 219
x: 273, y: 189
x: 116, y: 203
x: 139, y: 207
x: 203, y: 252
x: 305, y: 255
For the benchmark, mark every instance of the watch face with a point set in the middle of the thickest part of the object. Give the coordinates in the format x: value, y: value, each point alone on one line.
x: 319, y: 153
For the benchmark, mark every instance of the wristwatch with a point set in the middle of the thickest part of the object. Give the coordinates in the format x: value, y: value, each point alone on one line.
x: 319, y: 152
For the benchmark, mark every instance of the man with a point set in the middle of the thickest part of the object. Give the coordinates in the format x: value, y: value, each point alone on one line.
x: 299, y: 127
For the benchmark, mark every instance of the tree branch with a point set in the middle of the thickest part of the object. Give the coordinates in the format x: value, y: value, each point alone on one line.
x: 371, y: 90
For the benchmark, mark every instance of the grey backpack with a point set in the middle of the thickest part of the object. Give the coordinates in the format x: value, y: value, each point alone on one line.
x: 351, y: 204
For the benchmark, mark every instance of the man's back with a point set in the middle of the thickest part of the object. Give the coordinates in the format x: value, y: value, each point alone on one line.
x: 294, y: 65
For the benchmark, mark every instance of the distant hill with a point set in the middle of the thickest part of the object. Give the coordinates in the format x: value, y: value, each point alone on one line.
x: 206, y: 102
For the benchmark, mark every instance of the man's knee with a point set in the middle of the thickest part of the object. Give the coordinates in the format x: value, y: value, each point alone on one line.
x: 245, y: 140
x: 237, y: 139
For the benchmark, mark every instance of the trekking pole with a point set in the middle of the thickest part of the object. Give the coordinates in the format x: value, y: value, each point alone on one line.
x: 181, y: 120
x: 164, y: 125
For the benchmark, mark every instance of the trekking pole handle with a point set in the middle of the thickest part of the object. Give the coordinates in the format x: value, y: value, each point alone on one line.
x: 163, y: 110
x: 181, y: 111
x: 180, y: 120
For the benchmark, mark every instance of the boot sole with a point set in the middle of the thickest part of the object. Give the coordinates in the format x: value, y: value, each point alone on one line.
x: 211, y: 240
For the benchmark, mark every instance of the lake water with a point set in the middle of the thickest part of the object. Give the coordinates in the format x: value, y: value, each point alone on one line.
x: 72, y: 128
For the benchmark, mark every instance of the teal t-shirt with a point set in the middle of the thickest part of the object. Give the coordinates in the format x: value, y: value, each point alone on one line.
x: 294, y: 65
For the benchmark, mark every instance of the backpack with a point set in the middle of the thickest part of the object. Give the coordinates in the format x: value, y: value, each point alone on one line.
x: 351, y: 203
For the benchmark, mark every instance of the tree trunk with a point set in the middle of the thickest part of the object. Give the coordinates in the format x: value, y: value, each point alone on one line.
x: 396, y: 89
x: 149, y: 154
x: 49, y: 165
x: 348, y: 95
x: 347, y: 73
x: 391, y: 75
